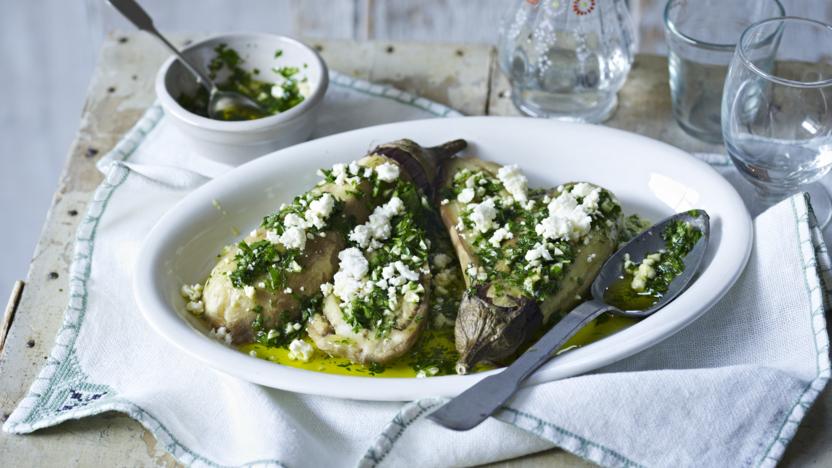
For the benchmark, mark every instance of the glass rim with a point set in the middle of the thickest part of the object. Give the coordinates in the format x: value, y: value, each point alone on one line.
x: 671, y: 26
x: 774, y: 78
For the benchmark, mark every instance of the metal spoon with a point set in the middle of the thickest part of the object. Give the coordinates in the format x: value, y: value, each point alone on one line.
x: 476, y: 404
x: 220, y: 103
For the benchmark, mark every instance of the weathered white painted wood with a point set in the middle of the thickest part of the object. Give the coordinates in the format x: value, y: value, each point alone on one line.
x: 437, y: 20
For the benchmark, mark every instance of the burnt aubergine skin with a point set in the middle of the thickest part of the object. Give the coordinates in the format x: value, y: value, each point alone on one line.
x: 496, y: 316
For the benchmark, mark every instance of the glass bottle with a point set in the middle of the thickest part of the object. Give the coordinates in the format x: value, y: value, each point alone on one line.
x: 566, y: 59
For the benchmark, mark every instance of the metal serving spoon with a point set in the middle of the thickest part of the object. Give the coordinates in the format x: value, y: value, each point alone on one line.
x: 220, y: 102
x: 476, y: 404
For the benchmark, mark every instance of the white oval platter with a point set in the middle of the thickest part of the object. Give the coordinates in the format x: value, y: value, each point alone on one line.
x: 650, y: 178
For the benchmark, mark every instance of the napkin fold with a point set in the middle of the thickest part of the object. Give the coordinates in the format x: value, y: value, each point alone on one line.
x: 728, y: 390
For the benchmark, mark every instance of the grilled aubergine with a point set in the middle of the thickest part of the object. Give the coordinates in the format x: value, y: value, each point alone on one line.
x: 309, y: 256
x: 528, y: 256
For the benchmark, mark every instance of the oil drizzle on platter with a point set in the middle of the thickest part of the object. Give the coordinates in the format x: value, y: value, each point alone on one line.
x: 435, y: 349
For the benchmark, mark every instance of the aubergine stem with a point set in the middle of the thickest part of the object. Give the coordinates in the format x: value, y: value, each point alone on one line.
x: 485, y: 331
x: 422, y: 164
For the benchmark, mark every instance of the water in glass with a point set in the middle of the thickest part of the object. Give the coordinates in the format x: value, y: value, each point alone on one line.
x: 777, y: 108
x: 566, y: 59
x: 701, y: 37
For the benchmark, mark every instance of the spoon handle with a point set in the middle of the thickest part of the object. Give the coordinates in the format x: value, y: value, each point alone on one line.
x: 476, y: 404
x: 139, y: 17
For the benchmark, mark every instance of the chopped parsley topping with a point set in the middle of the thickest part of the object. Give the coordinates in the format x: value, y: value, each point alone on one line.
x: 291, y: 330
x: 253, y: 261
x: 645, y: 282
x: 395, y: 262
x: 525, y: 240
x: 286, y: 232
x: 655, y: 273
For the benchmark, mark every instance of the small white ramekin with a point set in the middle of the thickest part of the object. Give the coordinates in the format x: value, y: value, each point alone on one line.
x: 238, y: 142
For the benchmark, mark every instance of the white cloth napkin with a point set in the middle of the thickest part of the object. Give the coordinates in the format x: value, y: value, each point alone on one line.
x: 729, y: 390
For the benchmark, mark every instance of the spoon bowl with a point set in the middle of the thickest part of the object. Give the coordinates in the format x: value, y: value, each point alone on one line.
x: 646, y: 243
x: 230, y: 105
x: 477, y: 403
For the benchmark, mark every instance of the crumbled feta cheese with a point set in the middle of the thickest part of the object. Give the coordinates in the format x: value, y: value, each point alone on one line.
x: 223, y: 335
x: 191, y: 292
x: 638, y: 284
x: 339, y: 172
x: 278, y: 92
x: 293, y: 238
x: 644, y: 272
x: 427, y: 372
x: 319, y: 210
x: 377, y: 226
x: 477, y: 273
x: 293, y: 220
x: 252, y: 353
x: 499, y: 236
x: 405, y: 271
x: 466, y: 195
x: 287, y: 291
x: 444, y: 202
x: 581, y: 189
x: 590, y: 202
x: 249, y: 291
x: 272, y: 237
x: 353, y: 263
x: 361, y: 235
x: 300, y: 350
x: 193, y: 295
x: 514, y: 182
x: 539, y: 251
x: 353, y: 267
x: 483, y: 214
x: 387, y: 172
x: 567, y: 219
x: 195, y: 307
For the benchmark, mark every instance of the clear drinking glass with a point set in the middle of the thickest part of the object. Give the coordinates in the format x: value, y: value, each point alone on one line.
x: 701, y: 37
x: 777, y: 108
x: 566, y: 59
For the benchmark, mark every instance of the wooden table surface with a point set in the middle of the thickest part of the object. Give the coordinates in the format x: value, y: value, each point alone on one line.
x: 464, y: 77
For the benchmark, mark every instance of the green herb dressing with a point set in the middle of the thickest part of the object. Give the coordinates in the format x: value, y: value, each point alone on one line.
x: 273, y: 97
x: 635, y: 290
